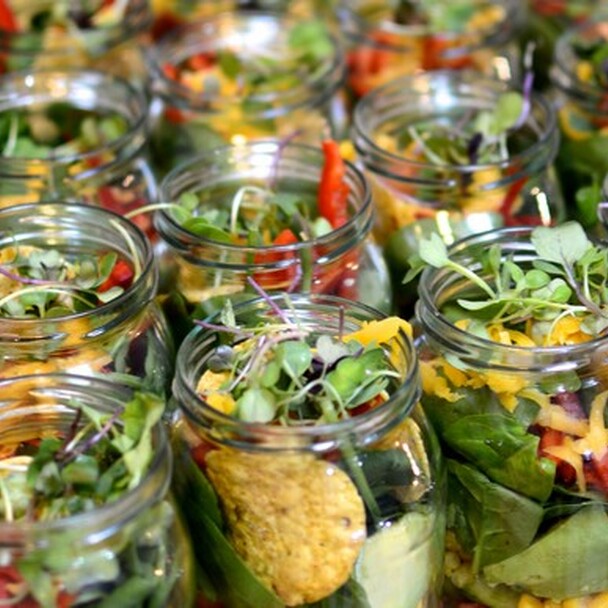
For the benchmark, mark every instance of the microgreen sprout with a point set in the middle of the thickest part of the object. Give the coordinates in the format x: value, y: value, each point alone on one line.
x: 284, y: 373
x: 568, y: 277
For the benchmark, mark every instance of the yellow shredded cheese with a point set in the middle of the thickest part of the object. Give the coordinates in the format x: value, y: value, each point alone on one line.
x: 567, y: 453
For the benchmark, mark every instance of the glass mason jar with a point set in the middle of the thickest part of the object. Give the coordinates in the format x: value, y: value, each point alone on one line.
x: 244, y: 75
x: 526, y: 501
x: 342, y: 261
x: 580, y: 93
x: 346, y: 512
x: 60, y: 34
x: 74, y: 135
x: 132, y: 550
x: 386, y: 43
x: 417, y: 191
x: 77, y: 295
x: 169, y: 14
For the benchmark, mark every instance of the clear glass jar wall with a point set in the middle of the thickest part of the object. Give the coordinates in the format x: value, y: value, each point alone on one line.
x: 246, y: 180
x: 77, y: 295
x: 243, y: 75
x: 68, y: 545
x: 349, y: 511
x: 515, y: 406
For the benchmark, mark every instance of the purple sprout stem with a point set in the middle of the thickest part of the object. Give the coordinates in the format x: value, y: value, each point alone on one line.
x: 273, y: 305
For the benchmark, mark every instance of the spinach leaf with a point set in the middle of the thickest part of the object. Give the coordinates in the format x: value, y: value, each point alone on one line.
x: 479, y: 428
x: 500, y: 447
x: 501, y: 523
x: 190, y: 484
x: 571, y: 560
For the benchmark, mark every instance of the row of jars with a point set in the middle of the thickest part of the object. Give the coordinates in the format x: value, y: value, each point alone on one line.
x: 105, y: 160
x: 308, y: 432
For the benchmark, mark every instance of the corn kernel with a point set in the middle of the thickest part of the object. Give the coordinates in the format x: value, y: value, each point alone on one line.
x: 584, y: 71
x: 576, y: 602
x: 528, y: 601
x: 599, y: 601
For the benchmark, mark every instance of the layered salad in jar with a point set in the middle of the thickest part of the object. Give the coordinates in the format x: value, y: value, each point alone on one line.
x: 240, y: 76
x: 85, y: 514
x: 285, y: 507
x: 284, y: 216
x: 513, y: 343
x: 77, y: 289
x: 76, y: 135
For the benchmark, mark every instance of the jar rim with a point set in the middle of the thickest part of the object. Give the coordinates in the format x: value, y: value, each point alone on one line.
x: 359, y: 221
x: 207, y: 35
x: 135, y: 241
x: 133, y: 501
x: 398, y: 404
x: 53, y: 87
x: 433, y: 321
x: 377, y: 159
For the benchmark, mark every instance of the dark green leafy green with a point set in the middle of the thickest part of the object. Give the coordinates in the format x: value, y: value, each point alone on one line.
x: 570, y: 560
x: 491, y: 522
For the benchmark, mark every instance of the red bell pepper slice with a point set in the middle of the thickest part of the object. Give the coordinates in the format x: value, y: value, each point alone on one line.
x: 277, y: 279
x: 8, y: 22
x: 332, y: 196
x: 121, y: 276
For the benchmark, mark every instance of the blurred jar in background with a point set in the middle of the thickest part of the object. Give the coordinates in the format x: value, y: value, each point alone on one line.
x: 244, y: 75
x: 56, y: 34
x: 74, y: 135
x: 580, y: 89
x: 454, y: 153
x: 385, y: 42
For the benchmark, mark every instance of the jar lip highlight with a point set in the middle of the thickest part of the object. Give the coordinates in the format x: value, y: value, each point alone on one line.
x: 448, y: 89
x: 225, y: 31
x: 104, y: 520
x: 262, y: 436
x: 258, y: 159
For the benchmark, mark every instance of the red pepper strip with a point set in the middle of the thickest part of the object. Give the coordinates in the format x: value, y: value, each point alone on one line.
x: 122, y: 201
x: 332, y: 195
x: 8, y: 23
x: 434, y: 55
x: 599, y: 476
x: 565, y: 471
x: 283, y: 277
x: 339, y: 278
x: 506, y: 209
x: 550, y: 8
x: 121, y: 276
x: 65, y: 600
x: 163, y: 24
x: 201, y: 61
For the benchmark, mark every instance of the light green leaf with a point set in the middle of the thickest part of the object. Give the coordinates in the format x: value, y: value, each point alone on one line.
x: 565, y: 244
